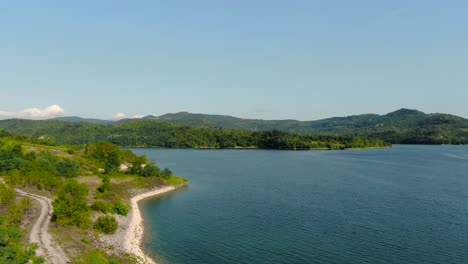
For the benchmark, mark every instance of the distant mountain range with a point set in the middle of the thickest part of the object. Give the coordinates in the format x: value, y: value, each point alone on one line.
x: 401, y: 126
x: 81, y: 119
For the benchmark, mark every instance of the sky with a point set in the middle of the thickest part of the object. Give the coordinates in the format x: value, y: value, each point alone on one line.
x: 302, y: 59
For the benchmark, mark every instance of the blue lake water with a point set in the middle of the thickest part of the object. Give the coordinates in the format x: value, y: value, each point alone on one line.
x: 406, y: 204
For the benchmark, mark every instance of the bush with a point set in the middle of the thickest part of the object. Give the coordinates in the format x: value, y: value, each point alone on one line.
x: 166, y: 173
x: 7, y: 195
x: 67, y: 168
x: 150, y: 170
x: 121, y: 208
x: 106, y: 184
x: 102, y: 206
x: 70, y: 207
x: 106, y: 224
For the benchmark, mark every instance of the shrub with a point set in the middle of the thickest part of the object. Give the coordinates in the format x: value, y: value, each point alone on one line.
x: 106, y: 224
x: 7, y: 195
x: 106, y: 184
x: 150, y: 170
x: 70, y: 206
x: 166, y: 173
x: 121, y: 208
x: 102, y: 206
x: 67, y: 168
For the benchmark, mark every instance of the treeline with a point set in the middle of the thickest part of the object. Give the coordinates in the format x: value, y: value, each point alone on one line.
x: 152, y: 133
x: 434, y: 135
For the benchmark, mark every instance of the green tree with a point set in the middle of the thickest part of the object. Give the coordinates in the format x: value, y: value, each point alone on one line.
x: 112, y: 162
x: 67, y: 168
x: 150, y: 170
x: 166, y: 173
x: 70, y: 206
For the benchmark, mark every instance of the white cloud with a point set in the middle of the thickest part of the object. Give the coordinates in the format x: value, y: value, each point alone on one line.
x: 120, y: 115
x: 51, y: 111
x: 137, y: 116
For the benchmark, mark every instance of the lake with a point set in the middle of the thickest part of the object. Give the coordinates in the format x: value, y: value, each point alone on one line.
x: 406, y: 204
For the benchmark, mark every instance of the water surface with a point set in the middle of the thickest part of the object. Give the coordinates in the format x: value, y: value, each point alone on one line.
x: 407, y: 204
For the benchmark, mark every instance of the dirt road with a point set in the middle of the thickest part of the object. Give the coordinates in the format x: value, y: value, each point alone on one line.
x: 40, y: 235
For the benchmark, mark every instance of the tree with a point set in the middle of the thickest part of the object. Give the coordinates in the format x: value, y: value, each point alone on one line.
x: 70, y: 206
x: 67, y: 168
x: 150, y: 170
x: 166, y: 173
x: 17, y: 150
x: 112, y: 162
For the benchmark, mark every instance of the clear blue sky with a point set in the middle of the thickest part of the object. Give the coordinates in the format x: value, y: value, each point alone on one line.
x: 259, y: 59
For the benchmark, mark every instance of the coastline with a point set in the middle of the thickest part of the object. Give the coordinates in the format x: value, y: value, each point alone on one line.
x: 134, y: 238
x: 129, y: 236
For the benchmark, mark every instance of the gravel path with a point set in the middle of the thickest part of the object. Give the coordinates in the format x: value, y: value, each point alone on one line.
x: 40, y: 235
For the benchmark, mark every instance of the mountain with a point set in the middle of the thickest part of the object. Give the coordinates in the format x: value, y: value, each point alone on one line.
x: 405, y: 126
x: 400, y: 126
x: 80, y: 119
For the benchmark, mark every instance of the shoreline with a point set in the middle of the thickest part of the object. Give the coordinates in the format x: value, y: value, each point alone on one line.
x: 135, y: 230
x: 274, y: 149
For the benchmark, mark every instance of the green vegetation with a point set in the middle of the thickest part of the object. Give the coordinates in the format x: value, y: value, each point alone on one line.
x: 154, y: 133
x: 55, y: 171
x: 121, y: 208
x: 70, y: 207
x: 109, y: 208
x: 12, y: 250
x: 166, y: 173
x: 7, y: 195
x: 403, y: 126
x: 96, y: 257
x: 215, y: 131
x: 106, y: 184
x: 102, y: 206
x: 174, y: 180
x: 106, y: 224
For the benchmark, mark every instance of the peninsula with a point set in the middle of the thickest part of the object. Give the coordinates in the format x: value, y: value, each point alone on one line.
x: 75, y: 204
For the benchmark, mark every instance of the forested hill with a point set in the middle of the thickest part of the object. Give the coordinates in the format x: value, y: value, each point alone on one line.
x: 403, y: 126
x: 155, y: 133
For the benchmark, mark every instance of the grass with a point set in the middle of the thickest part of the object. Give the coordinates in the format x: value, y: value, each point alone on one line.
x: 175, y: 180
x: 121, y: 187
x: 72, y: 239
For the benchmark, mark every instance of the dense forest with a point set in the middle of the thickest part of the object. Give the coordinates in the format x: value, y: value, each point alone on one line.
x: 154, y: 133
x: 403, y: 126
